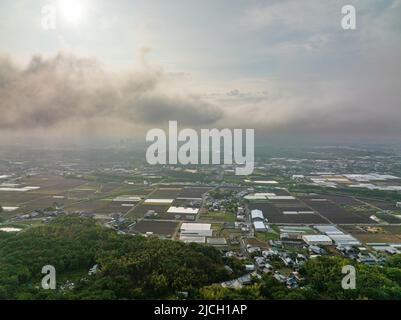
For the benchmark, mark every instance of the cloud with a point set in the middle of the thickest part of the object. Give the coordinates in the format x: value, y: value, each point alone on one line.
x: 68, y: 93
x: 66, y: 97
x: 302, y: 16
x: 357, y: 106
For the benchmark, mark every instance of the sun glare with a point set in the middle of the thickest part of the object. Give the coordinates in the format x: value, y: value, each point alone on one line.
x: 71, y: 10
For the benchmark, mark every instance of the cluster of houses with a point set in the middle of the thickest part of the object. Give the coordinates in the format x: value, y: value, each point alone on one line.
x: 244, y: 227
x: 117, y: 221
x: 40, y: 214
x: 219, y: 205
x: 237, y: 283
x: 240, y: 214
x: 277, y: 259
x: 263, y: 261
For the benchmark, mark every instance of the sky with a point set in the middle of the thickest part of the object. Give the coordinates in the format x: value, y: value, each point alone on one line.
x: 114, y: 69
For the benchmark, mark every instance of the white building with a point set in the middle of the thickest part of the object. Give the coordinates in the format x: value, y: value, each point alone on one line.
x: 314, y: 240
x: 192, y: 239
x: 183, y: 210
x: 196, y: 230
x: 281, y: 198
x: 328, y: 230
x: 259, y: 226
x: 255, y: 197
x: 127, y: 199
x: 249, y: 267
x: 344, y: 240
x: 257, y: 215
x: 158, y: 201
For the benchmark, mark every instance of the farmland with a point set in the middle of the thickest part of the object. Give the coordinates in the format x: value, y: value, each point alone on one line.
x: 163, y: 228
x: 274, y: 214
x: 334, y: 213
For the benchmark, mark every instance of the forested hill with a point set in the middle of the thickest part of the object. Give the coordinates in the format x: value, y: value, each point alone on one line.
x: 147, y: 268
x: 129, y: 267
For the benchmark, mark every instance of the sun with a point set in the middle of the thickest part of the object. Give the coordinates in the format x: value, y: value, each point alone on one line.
x: 71, y: 10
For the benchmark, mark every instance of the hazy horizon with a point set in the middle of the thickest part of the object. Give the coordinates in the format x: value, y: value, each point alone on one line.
x: 111, y: 71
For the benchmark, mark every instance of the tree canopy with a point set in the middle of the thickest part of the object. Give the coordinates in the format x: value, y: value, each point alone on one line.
x: 135, y: 267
